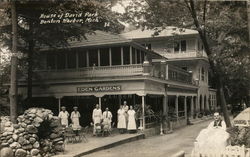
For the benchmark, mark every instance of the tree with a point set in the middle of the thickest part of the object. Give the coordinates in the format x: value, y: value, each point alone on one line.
x: 221, y: 27
x: 33, y: 35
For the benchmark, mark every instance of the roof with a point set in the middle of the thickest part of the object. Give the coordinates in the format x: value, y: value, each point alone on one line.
x: 149, y: 33
x: 99, y: 38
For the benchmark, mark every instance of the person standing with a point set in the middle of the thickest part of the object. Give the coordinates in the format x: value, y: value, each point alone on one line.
x: 75, y: 115
x: 107, y: 118
x: 131, y: 120
x: 64, y: 116
x: 217, y: 123
x: 96, y: 117
x: 125, y: 108
x: 121, y: 124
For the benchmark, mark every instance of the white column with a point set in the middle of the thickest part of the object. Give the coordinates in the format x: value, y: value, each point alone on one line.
x: 192, y: 107
x: 87, y: 57
x: 110, y: 57
x: 185, y: 106
x: 176, y: 107
x: 59, y: 103
x: 143, y: 112
x: 99, y: 57
x: 100, y: 102
x: 165, y: 103
x: 122, y: 62
x: 130, y: 55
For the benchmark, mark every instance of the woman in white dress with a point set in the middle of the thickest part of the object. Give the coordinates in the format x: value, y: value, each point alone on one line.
x: 131, y: 120
x: 75, y: 115
x: 121, y: 124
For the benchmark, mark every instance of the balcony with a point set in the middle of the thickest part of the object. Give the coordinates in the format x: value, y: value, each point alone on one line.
x: 92, y: 72
x: 186, y: 54
x: 160, y: 71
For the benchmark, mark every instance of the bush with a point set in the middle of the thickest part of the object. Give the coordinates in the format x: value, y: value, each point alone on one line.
x: 240, y: 136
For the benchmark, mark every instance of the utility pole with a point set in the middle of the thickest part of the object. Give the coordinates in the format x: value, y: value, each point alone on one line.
x: 13, y: 79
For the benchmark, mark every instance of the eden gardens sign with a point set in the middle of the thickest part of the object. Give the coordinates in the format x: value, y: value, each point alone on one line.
x: 98, y: 89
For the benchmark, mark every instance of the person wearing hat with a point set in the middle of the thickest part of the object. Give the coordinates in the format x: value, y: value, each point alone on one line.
x: 96, y: 117
x: 64, y: 115
x: 75, y: 115
x: 125, y: 108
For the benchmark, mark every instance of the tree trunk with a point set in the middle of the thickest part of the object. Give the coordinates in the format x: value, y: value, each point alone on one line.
x: 13, y: 81
x: 248, y: 18
x: 214, y: 69
x: 30, y: 66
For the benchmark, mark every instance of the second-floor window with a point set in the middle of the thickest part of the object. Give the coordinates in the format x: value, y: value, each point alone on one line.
x: 202, y: 74
x: 180, y: 46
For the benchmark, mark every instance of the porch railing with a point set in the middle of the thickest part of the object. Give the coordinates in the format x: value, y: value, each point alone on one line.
x: 89, y: 72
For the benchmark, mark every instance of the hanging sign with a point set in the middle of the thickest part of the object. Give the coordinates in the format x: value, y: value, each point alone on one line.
x: 98, y: 89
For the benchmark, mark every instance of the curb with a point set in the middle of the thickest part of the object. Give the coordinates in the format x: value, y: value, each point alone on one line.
x: 111, y: 145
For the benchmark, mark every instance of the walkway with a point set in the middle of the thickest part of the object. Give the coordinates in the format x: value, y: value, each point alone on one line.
x: 98, y: 143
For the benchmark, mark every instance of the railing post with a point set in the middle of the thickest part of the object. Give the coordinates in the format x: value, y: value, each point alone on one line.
x: 163, y: 69
x: 146, y: 68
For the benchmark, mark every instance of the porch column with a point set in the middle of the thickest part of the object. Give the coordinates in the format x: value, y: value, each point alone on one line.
x: 100, y: 102
x: 185, y: 106
x: 122, y: 62
x: 192, y: 107
x: 176, y: 107
x: 110, y: 57
x: 130, y: 55
x: 165, y: 105
x: 99, y: 57
x: 143, y: 112
x: 59, y: 103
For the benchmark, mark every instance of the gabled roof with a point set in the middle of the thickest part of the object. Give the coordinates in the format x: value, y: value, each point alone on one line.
x: 149, y: 33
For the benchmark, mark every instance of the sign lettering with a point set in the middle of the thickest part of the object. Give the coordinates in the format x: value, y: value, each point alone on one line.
x: 98, y: 89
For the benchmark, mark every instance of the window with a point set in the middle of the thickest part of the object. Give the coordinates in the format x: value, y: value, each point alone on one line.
x: 116, y: 56
x: 138, y: 55
x: 176, y: 47
x: 61, y: 60
x: 183, y: 45
x: 51, y: 61
x: 142, y: 56
x: 71, y: 60
x: 93, y: 57
x: 202, y: 74
x: 184, y: 68
x: 134, y: 59
x: 126, y: 55
x: 104, y: 57
x: 82, y: 59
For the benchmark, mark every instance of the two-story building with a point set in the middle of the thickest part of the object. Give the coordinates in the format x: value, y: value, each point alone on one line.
x: 181, y: 48
x: 108, y: 69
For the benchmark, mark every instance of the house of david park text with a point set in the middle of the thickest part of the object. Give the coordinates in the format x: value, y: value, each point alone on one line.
x: 168, y: 72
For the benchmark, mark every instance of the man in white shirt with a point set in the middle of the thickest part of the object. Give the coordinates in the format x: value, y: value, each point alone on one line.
x: 107, y: 117
x: 96, y: 117
x: 217, y: 123
x: 64, y: 116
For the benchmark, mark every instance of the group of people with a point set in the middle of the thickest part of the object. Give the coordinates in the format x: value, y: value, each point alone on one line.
x: 125, y: 118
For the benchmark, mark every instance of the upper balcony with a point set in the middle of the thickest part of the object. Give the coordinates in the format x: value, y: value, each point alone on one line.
x: 160, y: 71
x: 186, y: 54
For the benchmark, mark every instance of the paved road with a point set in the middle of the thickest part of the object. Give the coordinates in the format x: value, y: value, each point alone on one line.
x: 157, y: 146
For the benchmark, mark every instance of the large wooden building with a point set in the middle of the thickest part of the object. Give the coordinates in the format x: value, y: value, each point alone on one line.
x: 108, y: 69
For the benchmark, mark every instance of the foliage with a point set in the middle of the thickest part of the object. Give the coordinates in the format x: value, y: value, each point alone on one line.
x: 147, y: 108
x: 240, y: 136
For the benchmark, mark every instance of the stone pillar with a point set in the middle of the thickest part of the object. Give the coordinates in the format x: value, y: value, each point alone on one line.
x: 176, y: 107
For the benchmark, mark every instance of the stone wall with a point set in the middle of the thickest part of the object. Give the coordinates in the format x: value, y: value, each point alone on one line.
x: 37, y: 134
